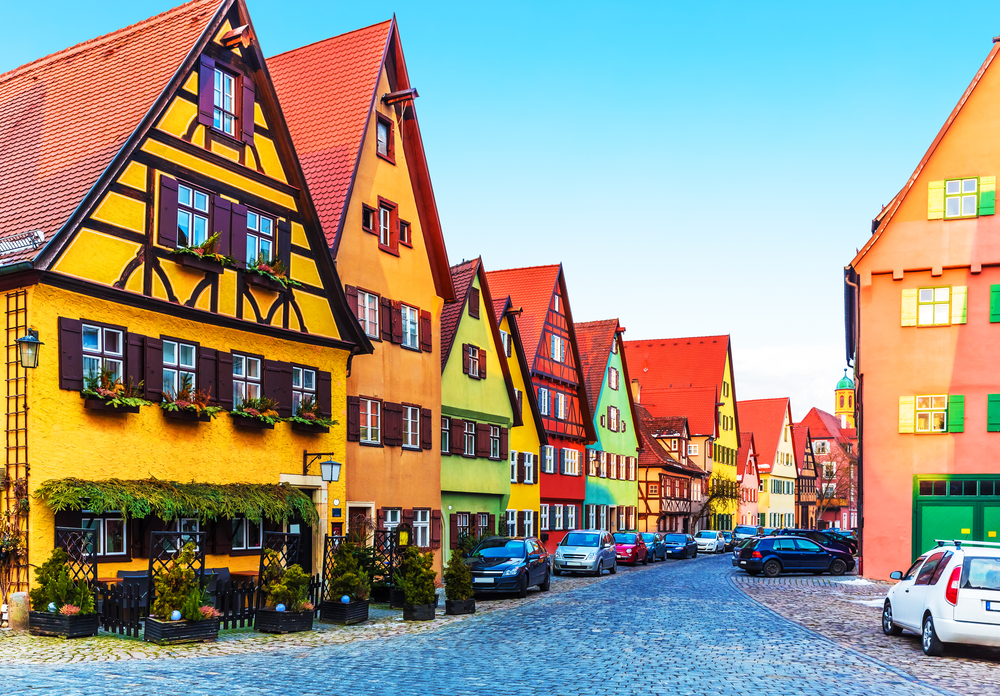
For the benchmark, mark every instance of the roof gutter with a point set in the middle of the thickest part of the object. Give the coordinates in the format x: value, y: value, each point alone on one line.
x: 16, y: 268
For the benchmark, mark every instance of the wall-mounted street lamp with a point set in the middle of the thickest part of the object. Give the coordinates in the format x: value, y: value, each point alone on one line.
x: 329, y: 469
x: 28, y: 347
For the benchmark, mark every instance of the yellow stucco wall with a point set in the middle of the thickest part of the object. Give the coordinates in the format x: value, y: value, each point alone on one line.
x: 728, y: 437
x: 782, y: 469
x: 524, y: 438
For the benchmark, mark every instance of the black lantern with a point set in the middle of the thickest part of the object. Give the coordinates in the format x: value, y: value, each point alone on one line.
x: 27, y: 348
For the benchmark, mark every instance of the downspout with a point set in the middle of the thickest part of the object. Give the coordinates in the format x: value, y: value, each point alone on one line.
x: 858, y: 423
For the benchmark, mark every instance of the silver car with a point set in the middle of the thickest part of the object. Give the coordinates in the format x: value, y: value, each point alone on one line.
x: 710, y: 541
x: 585, y: 551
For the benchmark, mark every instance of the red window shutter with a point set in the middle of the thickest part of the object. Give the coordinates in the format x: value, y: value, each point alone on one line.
x: 324, y: 393
x: 154, y: 368
x: 70, y: 354
x: 393, y: 414
x: 474, y: 303
x: 285, y: 245
x: 238, y: 234
x: 222, y: 215
x: 457, y: 436
x: 246, y: 117
x: 352, y: 300
x: 397, y: 322
x: 407, y: 519
x: 167, y: 213
x: 492, y: 523
x: 380, y: 519
x: 385, y: 319
x: 206, y: 91
x: 482, y: 364
x: 520, y: 523
x: 353, y: 418
x: 465, y: 358
x: 208, y: 370
x: 426, y: 441
x: 453, y: 530
x: 520, y: 467
x: 435, y: 529
x: 225, y: 380
x: 426, y: 344
x: 482, y: 440
x: 503, y: 443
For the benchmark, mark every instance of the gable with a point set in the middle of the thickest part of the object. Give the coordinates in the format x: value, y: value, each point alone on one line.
x: 520, y: 375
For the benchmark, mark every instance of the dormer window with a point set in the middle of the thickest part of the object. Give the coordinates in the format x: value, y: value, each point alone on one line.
x: 224, y: 118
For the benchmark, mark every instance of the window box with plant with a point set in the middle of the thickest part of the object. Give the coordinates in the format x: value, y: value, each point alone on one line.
x: 287, y: 608
x: 270, y: 274
x: 181, y: 612
x: 307, y: 417
x: 189, y: 404
x: 61, y: 606
x: 458, y: 586
x: 347, y: 581
x: 105, y: 391
x: 416, y: 578
x: 204, y: 257
x: 259, y: 412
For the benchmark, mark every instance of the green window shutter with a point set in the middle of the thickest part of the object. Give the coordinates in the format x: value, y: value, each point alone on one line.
x: 906, y: 406
x: 994, y: 304
x: 956, y: 413
x: 987, y: 194
x: 959, y: 303
x: 935, y: 200
x: 993, y: 413
x: 908, y: 314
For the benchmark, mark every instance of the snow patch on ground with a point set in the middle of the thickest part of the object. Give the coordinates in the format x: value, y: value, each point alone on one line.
x: 878, y: 602
x: 855, y: 581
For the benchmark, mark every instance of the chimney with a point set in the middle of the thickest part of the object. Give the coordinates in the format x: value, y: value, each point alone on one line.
x: 636, y: 390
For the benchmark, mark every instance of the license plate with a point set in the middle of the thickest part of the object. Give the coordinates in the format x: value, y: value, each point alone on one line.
x: 743, y: 562
x: 992, y: 606
x: 490, y: 580
x: 573, y: 563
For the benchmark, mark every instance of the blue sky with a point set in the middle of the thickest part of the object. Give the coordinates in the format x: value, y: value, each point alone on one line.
x: 698, y: 168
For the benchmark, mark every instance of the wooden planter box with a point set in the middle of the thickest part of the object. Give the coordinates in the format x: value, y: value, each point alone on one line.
x: 271, y: 621
x: 346, y: 614
x: 455, y: 607
x: 185, y: 415
x: 397, y: 598
x: 380, y: 594
x: 199, y: 264
x: 172, y: 632
x: 263, y: 282
x: 303, y: 428
x: 44, y: 623
x: 251, y: 422
x: 98, y: 405
x: 418, y: 612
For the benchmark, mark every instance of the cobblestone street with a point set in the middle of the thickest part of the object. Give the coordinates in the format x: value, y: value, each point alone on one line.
x: 647, y: 630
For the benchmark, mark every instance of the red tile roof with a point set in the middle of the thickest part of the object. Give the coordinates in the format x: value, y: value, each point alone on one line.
x: 747, y: 448
x: 595, y: 339
x: 697, y: 404
x: 63, y: 118
x: 530, y: 289
x: 670, y: 363
x: 800, y: 442
x: 652, y: 452
x: 461, y: 277
x: 764, y: 418
x: 499, y: 307
x: 823, y: 425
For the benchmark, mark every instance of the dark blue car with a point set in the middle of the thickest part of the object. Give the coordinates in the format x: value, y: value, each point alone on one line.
x: 787, y: 554
x: 654, y: 546
x: 679, y: 546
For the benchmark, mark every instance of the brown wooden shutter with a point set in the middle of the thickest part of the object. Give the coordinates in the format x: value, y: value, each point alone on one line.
x: 503, y: 443
x: 457, y: 436
x: 70, y: 354
x: 435, y: 529
x: 274, y: 386
x: 397, y: 322
x: 385, y: 318
x: 380, y: 519
x: 324, y: 393
x: 222, y: 214
x: 353, y: 419
x: 246, y: 117
x: 492, y: 522
x: 520, y: 523
x: 238, y: 234
x: 154, y: 368
x: 166, y: 225
x: 285, y: 245
x: 208, y: 371
x: 520, y: 406
x: 482, y: 440
x: 426, y: 429
x: 426, y: 344
x: 482, y: 363
x: 352, y: 300
x: 453, y: 530
x: 393, y: 422
x: 223, y: 536
x: 225, y: 380
x: 407, y: 519
x: 465, y: 358
x: 206, y: 91
x: 135, y: 351
x: 474, y: 303
x: 520, y: 467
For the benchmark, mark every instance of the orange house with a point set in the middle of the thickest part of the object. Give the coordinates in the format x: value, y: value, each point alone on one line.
x: 923, y: 321
x: 351, y: 110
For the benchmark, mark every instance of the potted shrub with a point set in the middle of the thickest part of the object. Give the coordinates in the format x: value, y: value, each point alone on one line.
x: 106, y: 392
x: 347, y: 579
x: 61, y: 606
x: 270, y: 274
x: 204, y: 257
x: 260, y: 413
x: 181, y: 612
x: 416, y: 579
x: 458, y: 586
x: 189, y: 404
x: 287, y: 608
x: 307, y: 418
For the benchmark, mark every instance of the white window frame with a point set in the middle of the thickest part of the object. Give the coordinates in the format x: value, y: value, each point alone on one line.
x: 612, y: 466
x: 474, y: 362
x: 303, y: 385
x: 196, y: 211
x: 411, y: 427
x: 513, y: 466
x: 543, y: 401
x: 505, y: 339
x: 529, y: 467
x: 557, y: 348
x: 555, y: 303
x: 384, y: 225
x: 245, y: 524
x: 248, y: 378
x: 411, y: 327
x: 692, y: 450
x: 613, y: 378
x: 469, y: 439
x: 560, y: 406
x: 100, y: 357
x: 570, y: 516
x: 370, y: 421
x: 494, y: 442
x: 559, y: 517
x: 549, y: 465
x: 604, y: 517
x: 932, y: 408
x: 382, y: 128
x: 603, y: 464
x: 422, y: 527
x: 260, y: 235
x: 483, y: 524
x: 529, y: 523
x: 368, y: 309
x: 613, y: 424
x: 934, y: 306
x: 224, y: 102
x: 543, y: 517
x: 572, y: 461
x: 512, y: 523
x: 175, y: 369
x: 393, y: 517
x: 445, y: 435
x: 99, y: 523
x: 592, y: 517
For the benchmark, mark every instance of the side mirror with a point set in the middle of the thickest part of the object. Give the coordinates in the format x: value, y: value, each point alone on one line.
x: 896, y: 575
x: 534, y: 556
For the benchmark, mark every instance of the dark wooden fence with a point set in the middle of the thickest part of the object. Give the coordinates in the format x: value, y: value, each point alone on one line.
x: 120, y: 607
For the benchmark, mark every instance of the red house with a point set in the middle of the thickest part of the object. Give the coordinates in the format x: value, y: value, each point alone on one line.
x: 546, y: 324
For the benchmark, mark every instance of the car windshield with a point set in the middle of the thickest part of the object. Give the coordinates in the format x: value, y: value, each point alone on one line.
x: 675, y: 539
x: 746, y: 530
x: 727, y: 535
x: 649, y: 538
x: 500, y: 548
x: 581, y: 539
x: 982, y: 573
x: 707, y: 534
x: 624, y: 538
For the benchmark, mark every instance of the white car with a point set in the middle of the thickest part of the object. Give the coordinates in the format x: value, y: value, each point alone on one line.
x: 951, y: 594
x: 710, y: 541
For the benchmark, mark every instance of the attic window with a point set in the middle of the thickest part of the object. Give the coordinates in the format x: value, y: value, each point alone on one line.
x: 385, y: 145
x: 224, y: 98
x: 21, y: 242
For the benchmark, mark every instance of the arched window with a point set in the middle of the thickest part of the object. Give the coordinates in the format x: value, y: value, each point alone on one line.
x: 842, y: 401
x: 850, y: 402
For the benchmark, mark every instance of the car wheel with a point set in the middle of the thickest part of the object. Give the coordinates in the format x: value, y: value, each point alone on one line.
x: 600, y: 569
x: 544, y: 587
x: 522, y: 590
x: 888, y: 626
x: 772, y: 568
x: 929, y: 640
x: 837, y: 567
x: 556, y: 572
x: 614, y: 567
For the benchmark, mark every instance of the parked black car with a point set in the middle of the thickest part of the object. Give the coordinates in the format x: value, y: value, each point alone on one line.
x: 789, y: 554
x: 680, y: 545
x: 510, y: 564
x: 822, y: 538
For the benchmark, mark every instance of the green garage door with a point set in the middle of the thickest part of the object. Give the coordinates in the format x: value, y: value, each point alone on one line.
x: 944, y: 522
x: 991, y: 523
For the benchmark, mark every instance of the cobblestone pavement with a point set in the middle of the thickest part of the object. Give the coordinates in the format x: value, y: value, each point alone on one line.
x: 644, y: 630
x: 849, y: 611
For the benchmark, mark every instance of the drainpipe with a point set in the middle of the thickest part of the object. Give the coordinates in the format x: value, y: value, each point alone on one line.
x: 858, y: 420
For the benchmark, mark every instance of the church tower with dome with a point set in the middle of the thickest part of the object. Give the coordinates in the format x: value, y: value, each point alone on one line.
x: 844, y: 401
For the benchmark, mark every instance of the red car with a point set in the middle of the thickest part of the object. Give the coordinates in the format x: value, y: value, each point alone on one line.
x: 630, y: 548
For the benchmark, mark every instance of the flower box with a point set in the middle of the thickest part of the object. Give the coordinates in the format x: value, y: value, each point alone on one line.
x: 309, y: 428
x: 173, y: 632
x: 251, y: 422
x: 199, y: 264
x: 43, y: 623
x: 263, y: 281
x: 418, y: 612
x: 455, y: 607
x: 186, y: 415
x: 352, y: 613
x: 271, y: 621
x: 98, y: 405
